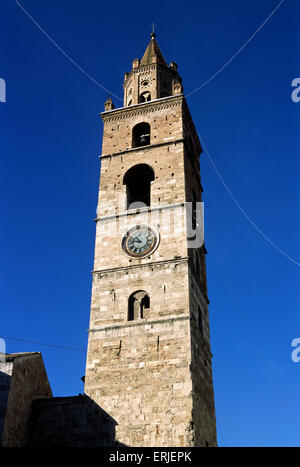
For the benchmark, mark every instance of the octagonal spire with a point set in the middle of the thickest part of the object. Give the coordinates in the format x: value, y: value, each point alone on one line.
x: 153, y: 53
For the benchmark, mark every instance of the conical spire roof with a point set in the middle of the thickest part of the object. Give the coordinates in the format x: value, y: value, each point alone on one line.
x: 153, y: 50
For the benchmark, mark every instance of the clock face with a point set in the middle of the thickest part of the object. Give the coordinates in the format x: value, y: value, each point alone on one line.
x: 140, y: 241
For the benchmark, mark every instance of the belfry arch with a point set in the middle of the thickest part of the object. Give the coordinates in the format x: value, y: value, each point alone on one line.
x: 138, y: 186
x: 141, y: 134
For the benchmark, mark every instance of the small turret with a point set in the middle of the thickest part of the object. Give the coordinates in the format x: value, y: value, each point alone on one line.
x: 109, y: 105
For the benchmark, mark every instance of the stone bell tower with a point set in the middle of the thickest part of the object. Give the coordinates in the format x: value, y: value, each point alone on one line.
x: 149, y: 359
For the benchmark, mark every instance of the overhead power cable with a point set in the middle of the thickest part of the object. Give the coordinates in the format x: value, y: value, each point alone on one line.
x: 251, y: 221
x: 194, y: 91
x: 41, y: 343
x: 214, y: 75
x: 65, y: 53
x: 237, y: 52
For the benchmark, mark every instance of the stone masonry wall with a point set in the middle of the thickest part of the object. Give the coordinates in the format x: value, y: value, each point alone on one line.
x: 201, y: 367
x: 28, y: 382
x: 74, y: 421
x: 148, y: 374
x: 139, y: 372
x: 164, y: 117
x: 140, y: 375
x: 5, y: 378
x: 165, y: 282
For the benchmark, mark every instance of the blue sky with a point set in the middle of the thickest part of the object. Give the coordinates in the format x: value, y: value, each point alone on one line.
x: 50, y: 141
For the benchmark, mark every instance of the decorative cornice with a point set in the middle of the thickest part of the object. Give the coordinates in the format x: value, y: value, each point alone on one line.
x: 143, y: 108
x: 142, y: 148
x: 183, y: 259
x: 139, y: 323
x: 138, y: 211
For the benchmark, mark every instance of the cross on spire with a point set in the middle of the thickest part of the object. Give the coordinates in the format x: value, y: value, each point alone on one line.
x: 153, y: 30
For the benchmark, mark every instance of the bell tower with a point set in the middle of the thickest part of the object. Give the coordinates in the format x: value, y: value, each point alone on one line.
x: 150, y: 77
x: 149, y: 359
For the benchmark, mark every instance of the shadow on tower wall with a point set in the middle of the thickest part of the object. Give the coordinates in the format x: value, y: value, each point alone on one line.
x: 75, y: 421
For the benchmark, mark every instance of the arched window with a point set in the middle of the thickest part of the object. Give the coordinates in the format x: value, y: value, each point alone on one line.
x: 138, y: 186
x: 138, y: 303
x: 145, y: 97
x: 141, y: 135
